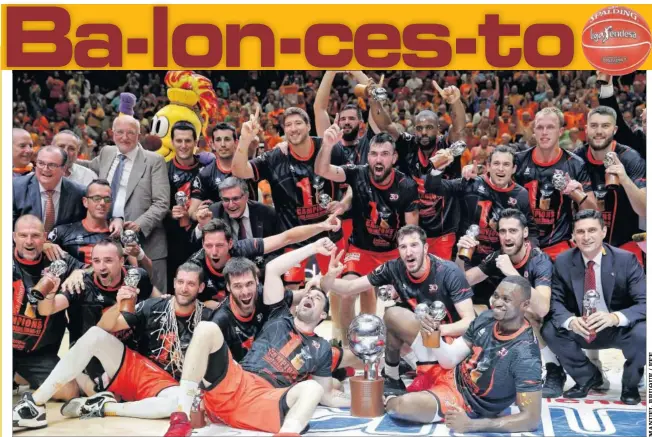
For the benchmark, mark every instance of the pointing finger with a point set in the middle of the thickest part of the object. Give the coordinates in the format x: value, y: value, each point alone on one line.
x: 437, y: 87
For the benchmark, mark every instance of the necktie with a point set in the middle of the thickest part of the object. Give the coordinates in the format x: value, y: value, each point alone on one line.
x: 117, y: 176
x: 242, y: 231
x: 49, y: 211
x: 589, y: 277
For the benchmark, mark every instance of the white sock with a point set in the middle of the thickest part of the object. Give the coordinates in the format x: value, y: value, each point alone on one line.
x: 391, y: 371
x: 189, y: 389
x: 151, y: 408
x: 548, y: 356
x: 291, y: 426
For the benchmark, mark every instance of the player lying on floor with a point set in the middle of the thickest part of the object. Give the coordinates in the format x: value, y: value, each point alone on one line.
x: 494, y: 364
x: 269, y: 391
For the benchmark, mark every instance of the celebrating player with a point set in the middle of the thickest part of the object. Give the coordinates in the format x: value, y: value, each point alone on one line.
x: 494, y: 364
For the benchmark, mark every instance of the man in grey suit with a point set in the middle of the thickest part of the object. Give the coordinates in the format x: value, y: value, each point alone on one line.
x: 140, y: 190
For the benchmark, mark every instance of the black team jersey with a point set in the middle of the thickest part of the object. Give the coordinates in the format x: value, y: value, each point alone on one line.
x: 378, y: 211
x: 499, y: 367
x: 553, y: 212
x: 443, y: 281
x: 205, y: 184
x: 180, y: 178
x: 155, y: 343
x: 438, y: 214
x: 283, y: 355
x: 536, y: 267
x: 32, y: 331
x: 619, y: 217
x: 215, y: 289
x: 239, y: 332
x: 357, y: 152
x: 78, y: 239
x: 481, y: 204
x: 298, y: 193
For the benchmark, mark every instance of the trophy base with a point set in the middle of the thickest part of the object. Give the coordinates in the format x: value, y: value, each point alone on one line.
x: 611, y: 181
x: 466, y: 254
x: 128, y: 306
x: 367, y: 397
x: 430, y: 340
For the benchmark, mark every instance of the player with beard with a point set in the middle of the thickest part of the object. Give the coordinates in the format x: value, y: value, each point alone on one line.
x: 218, y: 246
x: 301, y: 197
x: 439, y: 215
x: 205, y: 185
x: 483, y: 198
x: 269, y: 390
x: 418, y: 277
x: 384, y: 199
x: 494, y: 364
x: 146, y: 379
x: 535, y: 168
x: 36, y: 337
x: 621, y: 206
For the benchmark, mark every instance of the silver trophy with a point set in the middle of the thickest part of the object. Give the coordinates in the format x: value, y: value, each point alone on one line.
x: 456, y: 149
x: 324, y: 200
x: 132, y: 278
x: 611, y: 180
x: 466, y: 254
x: 180, y: 198
x: 590, y: 304
x: 438, y: 310
x: 128, y: 237
x: 57, y: 270
x: 385, y: 292
x: 379, y: 94
x: 421, y: 311
x: 559, y: 181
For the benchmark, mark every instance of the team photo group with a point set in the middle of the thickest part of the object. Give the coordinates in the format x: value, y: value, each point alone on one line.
x: 473, y: 241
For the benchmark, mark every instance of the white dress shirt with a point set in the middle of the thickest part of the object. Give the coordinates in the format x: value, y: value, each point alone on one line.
x: 245, y: 221
x: 82, y: 175
x: 55, y: 199
x: 121, y: 197
x: 602, y: 303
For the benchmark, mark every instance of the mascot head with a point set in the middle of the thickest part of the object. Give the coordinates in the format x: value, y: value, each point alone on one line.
x: 192, y: 99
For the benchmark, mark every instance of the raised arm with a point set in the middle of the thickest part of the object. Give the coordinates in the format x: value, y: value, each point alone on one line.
x: 53, y: 303
x: 451, y: 94
x: 240, y: 166
x: 323, y: 166
x: 300, y: 233
x: 322, y: 119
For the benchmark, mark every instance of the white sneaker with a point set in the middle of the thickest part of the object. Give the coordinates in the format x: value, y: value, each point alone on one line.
x: 27, y: 415
x: 92, y: 406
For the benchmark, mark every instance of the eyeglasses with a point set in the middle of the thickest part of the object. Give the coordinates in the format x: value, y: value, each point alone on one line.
x: 97, y: 199
x: 49, y: 165
x: 121, y: 132
x: 232, y: 199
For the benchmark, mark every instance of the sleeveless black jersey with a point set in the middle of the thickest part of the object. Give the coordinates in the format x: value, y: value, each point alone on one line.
x: 283, y: 355
x: 155, y: 343
x: 298, y: 193
x: 481, y: 204
x: 443, y: 281
x: 78, y: 239
x: 378, y: 211
x: 619, y: 217
x: 438, y: 214
x: 205, y: 184
x: 499, y: 367
x: 32, y: 331
x: 553, y: 212
x: 536, y: 267
x: 239, y: 332
x: 215, y: 289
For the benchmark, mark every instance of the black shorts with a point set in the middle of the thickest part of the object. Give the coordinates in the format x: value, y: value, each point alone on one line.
x: 36, y: 366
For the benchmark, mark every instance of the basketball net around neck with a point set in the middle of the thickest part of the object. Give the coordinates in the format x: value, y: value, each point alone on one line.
x: 169, y: 332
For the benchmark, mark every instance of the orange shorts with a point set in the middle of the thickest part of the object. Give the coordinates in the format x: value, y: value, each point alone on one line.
x: 442, y: 386
x: 362, y: 262
x: 244, y: 400
x: 297, y: 274
x: 139, y: 378
x: 442, y: 246
x: 635, y: 249
x: 556, y: 249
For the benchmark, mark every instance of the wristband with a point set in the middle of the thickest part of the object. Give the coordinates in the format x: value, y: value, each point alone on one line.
x: 141, y: 255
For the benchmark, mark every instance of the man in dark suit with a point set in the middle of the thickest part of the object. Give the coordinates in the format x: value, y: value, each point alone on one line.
x: 46, y: 193
x: 618, y: 320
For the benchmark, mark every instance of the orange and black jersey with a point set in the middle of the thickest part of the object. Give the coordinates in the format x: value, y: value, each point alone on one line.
x: 78, y: 239
x: 499, y: 367
x: 239, y: 331
x: 438, y: 214
x: 619, y: 217
x: 298, y: 193
x: 553, y: 212
x: 481, y: 204
x: 357, y: 153
x: 32, y: 331
x: 155, y: 343
x: 283, y: 355
x: 378, y: 211
x: 443, y: 281
x: 205, y: 184
x: 215, y: 289
x: 180, y: 178
x: 536, y: 267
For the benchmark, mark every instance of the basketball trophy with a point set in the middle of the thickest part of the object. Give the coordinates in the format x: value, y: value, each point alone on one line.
x: 371, y: 90
x: 590, y: 304
x: 546, y: 194
x: 560, y: 181
x: 181, y: 199
x: 436, y: 310
x: 46, y: 285
x: 466, y: 253
x: 610, y: 180
x: 128, y: 237
x: 456, y: 149
x: 366, y: 336
x: 385, y: 292
x: 131, y: 280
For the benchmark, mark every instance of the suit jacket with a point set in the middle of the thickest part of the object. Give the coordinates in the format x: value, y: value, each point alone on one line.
x: 263, y: 219
x: 27, y: 200
x: 623, y: 285
x: 148, y: 195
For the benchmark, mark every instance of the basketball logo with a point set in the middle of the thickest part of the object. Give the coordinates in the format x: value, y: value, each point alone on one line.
x: 616, y: 40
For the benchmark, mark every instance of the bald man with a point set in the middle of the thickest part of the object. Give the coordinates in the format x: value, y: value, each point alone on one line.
x: 140, y: 190
x: 22, y: 150
x: 69, y: 142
